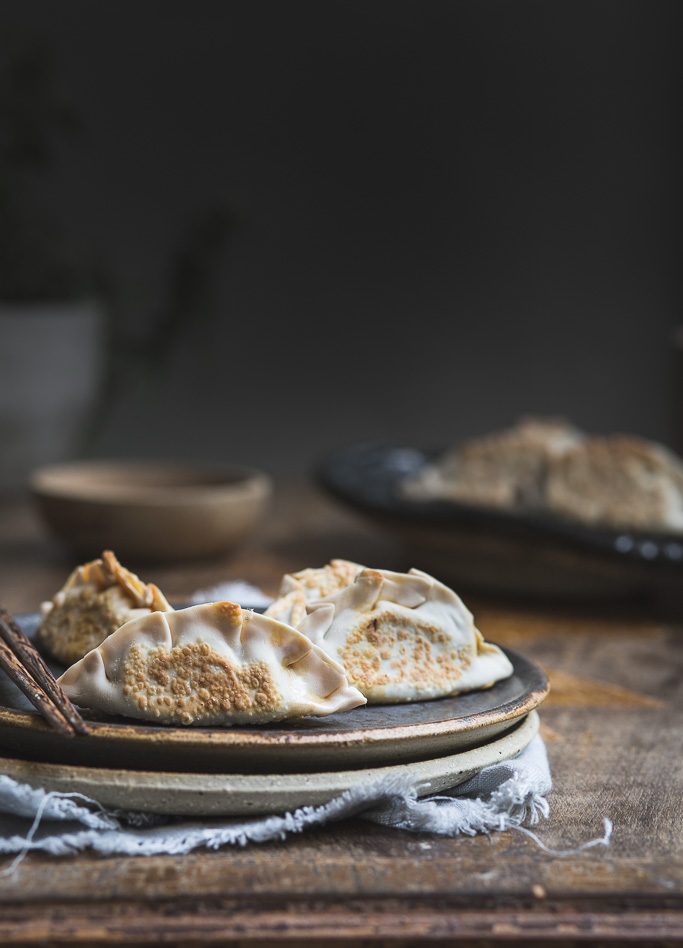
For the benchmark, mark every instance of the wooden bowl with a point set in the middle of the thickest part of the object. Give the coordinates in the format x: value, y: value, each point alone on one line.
x: 154, y: 510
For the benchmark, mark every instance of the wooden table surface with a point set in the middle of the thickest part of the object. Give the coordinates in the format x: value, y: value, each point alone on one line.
x: 614, y: 731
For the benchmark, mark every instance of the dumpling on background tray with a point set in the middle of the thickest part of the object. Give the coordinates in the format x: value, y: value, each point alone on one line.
x: 547, y: 465
x: 618, y: 481
x: 504, y: 469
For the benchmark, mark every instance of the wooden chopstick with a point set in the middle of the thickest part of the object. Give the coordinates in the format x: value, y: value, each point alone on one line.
x: 13, y: 668
x: 21, y: 661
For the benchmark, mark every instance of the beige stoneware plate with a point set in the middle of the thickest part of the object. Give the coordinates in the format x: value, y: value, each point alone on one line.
x: 196, y: 795
x: 372, y: 736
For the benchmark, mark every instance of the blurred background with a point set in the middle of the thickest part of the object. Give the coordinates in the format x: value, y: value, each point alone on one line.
x: 259, y: 231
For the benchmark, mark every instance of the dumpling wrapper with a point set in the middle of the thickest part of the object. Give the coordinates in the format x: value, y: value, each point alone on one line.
x: 209, y: 664
x: 309, y: 585
x: 623, y: 482
x: 404, y: 637
x: 97, y: 598
x: 504, y: 469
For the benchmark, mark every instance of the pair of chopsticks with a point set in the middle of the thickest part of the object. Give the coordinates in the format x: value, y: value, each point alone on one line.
x: 21, y: 662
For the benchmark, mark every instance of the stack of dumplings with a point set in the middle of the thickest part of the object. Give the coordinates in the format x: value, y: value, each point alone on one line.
x: 337, y: 637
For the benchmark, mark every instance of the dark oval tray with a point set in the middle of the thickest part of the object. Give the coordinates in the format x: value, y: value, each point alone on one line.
x: 369, y: 478
x: 509, y: 552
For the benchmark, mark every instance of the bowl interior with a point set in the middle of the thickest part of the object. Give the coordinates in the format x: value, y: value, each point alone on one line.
x: 127, y: 480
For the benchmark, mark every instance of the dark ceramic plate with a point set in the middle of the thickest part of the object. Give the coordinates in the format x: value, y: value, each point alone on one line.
x: 371, y: 736
x: 369, y: 478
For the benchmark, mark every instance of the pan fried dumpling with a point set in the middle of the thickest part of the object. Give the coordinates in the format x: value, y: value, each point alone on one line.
x: 404, y: 637
x: 506, y: 469
x: 98, y: 598
x: 623, y: 482
x: 210, y: 664
x: 308, y: 585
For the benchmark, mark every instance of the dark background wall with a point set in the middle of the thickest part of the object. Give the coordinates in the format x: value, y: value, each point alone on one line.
x: 443, y: 214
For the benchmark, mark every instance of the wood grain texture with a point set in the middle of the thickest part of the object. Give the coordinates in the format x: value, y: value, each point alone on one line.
x: 616, y: 750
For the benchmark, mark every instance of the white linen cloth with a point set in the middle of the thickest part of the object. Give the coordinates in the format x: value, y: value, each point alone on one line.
x: 500, y: 797
x: 60, y: 823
